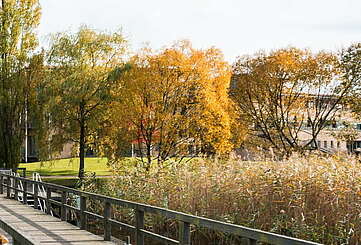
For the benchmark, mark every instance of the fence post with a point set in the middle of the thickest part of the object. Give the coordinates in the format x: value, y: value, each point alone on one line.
x: 25, y: 192
x: 1, y: 184
x: 107, y: 225
x: 16, y: 183
x: 139, y: 224
x: 252, y: 241
x: 248, y: 241
x: 8, y: 189
x: 63, y: 208
x: 184, y: 233
x: 36, y: 193
x: 48, y: 197
x: 83, y: 217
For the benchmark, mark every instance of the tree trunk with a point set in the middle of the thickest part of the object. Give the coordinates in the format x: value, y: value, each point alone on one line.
x: 81, y: 139
x: 81, y: 149
x: 149, y: 156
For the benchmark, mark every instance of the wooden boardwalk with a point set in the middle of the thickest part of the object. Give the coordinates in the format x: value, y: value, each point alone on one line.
x: 40, y: 228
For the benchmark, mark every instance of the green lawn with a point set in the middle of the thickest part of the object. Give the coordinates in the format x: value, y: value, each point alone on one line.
x: 65, y: 167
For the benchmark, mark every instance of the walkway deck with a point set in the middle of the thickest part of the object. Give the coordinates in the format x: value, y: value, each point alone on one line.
x: 40, y: 228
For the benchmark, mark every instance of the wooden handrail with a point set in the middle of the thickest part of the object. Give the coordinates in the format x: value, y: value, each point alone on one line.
x: 185, y: 220
x: 17, y: 236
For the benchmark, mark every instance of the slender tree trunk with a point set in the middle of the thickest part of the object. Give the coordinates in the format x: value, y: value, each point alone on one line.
x: 149, y: 156
x: 81, y: 139
x: 81, y: 149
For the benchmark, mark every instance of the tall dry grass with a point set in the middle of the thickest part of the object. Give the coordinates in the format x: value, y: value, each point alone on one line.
x: 316, y: 198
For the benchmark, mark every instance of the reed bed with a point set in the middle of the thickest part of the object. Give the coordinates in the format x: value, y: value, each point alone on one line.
x: 313, y: 197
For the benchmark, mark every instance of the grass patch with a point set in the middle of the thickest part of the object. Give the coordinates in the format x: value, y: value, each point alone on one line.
x: 68, y: 182
x: 70, y: 166
x: 67, y: 167
x: 71, y: 182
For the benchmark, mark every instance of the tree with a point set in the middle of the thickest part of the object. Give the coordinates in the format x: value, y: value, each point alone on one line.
x: 282, y: 93
x: 351, y: 64
x: 82, y: 74
x: 18, y: 20
x: 174, y: 100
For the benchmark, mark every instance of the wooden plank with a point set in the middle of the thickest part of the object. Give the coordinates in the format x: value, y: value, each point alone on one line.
x: 139, y: 225
x: 83, y: 218
x: 107, y: 224
x: 31, y: 226
x: 184, y: 233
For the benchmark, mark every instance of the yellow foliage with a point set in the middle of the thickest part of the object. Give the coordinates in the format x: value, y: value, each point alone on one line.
x: 173, y: 99
x: 279, y: 92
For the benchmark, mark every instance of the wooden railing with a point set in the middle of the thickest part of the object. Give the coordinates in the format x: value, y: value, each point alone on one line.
x: 185, y: 220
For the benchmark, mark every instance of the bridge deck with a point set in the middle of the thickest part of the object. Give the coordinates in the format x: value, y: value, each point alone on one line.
x: 37, y: 226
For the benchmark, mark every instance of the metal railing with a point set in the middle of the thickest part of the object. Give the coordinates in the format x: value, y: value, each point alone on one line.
x: 138, y: 228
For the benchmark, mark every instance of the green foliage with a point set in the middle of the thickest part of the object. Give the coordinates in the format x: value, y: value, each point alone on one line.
x: 18, y: 20
x: 82, y: 74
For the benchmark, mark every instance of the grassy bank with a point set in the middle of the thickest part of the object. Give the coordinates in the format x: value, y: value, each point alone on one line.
x: 314, y: 198
x: 68, y: 182
x: 67, y: 167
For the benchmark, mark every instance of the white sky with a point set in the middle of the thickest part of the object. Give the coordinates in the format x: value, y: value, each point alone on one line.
x: 236, y: 27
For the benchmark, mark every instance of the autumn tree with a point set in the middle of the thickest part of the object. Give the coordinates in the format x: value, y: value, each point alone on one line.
x: 18, y: 20
x: 82, y: 73
x: 286, y: 94
x: 351, y: 67
x: 174, y: 102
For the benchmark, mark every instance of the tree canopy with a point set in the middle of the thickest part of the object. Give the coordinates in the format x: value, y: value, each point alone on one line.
x: 174, y: 103
x: 18, y: 21
x: 282, y: 92
x: 82, y: 67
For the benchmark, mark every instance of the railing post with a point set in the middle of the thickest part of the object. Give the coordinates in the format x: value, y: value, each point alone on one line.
x: 8, y: 189
x: 248, y: 241
x: 1, y: 184
x: 252, y: 241
x: 48, y: 197
x: 63, y: 208
x: 16, y: 183
x: 107, y: 225
x: 139, y: 224
x: 36, y: 193
x: 83, y: 218
x: 25, y: 192
x: 184, y: 233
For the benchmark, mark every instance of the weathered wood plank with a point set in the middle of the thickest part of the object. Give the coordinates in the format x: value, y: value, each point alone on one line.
x: 31, y: 226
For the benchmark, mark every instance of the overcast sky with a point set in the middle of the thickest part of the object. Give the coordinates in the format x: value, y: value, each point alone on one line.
x: 237, y: 27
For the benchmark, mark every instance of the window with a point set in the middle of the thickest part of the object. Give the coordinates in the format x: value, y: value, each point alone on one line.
x: 338, y: 144
x: 325, y: 144
x: 331, y: 143
x: 318, y: 143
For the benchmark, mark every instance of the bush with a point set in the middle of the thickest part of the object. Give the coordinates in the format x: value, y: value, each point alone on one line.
x: 315, y: 198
